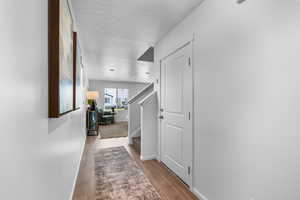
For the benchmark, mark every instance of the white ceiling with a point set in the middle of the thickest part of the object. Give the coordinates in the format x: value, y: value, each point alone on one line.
x: 114, y: 33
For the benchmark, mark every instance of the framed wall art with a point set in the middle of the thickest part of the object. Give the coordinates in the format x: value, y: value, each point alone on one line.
x: 61, y: 68
x: 77, y: 75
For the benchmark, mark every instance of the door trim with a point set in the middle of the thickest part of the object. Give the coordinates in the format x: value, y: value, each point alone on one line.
x: 184, y: 44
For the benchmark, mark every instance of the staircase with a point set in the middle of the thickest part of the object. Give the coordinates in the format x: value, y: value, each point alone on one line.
x: 134, y: 112
x: 142, y: 129
x: 136, y: 144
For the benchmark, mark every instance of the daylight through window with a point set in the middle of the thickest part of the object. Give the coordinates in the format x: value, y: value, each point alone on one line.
x: 115, y: 98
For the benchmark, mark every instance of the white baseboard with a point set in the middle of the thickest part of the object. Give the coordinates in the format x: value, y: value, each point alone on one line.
x: 77, y: 171
x: 198, y: 194
x: 149, y: 157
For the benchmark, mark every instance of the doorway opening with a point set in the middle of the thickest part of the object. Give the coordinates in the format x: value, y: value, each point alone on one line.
x: 113, y: 117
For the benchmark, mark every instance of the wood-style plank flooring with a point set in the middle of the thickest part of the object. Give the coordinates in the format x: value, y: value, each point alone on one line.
x: 166, y: 183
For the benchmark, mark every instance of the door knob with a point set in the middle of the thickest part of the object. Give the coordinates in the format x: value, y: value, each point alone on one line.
x: 161, y: 117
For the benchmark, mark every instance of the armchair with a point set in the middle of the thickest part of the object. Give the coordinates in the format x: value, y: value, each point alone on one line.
x: 105, y: 117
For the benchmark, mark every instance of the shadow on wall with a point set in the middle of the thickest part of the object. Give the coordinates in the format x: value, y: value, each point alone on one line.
x: 54, y: 124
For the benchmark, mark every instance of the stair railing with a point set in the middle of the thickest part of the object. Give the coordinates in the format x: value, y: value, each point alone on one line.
x: 134, y: 114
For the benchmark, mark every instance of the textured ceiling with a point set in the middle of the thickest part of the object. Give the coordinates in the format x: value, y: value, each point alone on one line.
x: 115, y: 33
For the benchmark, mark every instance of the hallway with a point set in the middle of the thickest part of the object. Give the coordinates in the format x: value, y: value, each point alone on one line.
x: 166, y: 184
x: 210, y: 90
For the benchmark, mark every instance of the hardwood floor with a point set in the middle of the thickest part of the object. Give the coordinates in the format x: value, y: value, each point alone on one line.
x: 166, y: 183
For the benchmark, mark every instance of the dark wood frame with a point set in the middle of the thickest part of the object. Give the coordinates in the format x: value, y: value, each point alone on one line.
x: 53, y: 60
x: 75, y: 46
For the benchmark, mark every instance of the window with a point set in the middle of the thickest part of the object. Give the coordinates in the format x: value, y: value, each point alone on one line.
x: 107, y: 100
x: 115, y: 98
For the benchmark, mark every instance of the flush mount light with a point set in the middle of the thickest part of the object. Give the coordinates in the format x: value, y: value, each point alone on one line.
x: 147, y: 73
x: 112, y: 70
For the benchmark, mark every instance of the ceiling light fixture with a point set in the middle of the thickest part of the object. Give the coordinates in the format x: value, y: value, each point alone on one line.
x: 148, y: 73
x: 112, y: 70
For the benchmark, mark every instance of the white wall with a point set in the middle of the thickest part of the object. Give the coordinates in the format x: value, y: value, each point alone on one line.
x: 121, y: 116
x: 39, y: 157
x: 149, y: 115
x: 247, y: 97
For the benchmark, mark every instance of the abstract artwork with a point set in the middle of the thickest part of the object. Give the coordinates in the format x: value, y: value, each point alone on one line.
x: 77, y: 74
x: 61, y: 68
x: 65, y: 58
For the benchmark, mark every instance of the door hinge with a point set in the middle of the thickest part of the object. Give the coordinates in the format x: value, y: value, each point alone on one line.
x: 189, y: 170
x: 189, y: 115
x: 190, y: 61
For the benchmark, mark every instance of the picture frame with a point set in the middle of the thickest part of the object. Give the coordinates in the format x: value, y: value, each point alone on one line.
x: 77, y: 75
x: 61, y: 58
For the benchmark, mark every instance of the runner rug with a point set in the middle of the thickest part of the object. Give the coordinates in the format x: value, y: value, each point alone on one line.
x: 118, y: 177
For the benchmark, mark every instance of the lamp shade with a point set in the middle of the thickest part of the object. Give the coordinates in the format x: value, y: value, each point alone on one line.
x: 92, y: 95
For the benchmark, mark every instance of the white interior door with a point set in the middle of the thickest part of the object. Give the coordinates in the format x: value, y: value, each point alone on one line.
x: 176, y: 112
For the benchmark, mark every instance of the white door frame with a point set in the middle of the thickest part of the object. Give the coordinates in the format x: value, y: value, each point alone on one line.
x: 184, y: 44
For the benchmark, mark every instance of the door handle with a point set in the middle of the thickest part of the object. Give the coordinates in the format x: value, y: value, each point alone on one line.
x: 161, y: 117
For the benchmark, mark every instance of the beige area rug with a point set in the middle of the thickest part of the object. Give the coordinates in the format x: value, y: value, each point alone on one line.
x: 118, y: 177
x: 119, y: 129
